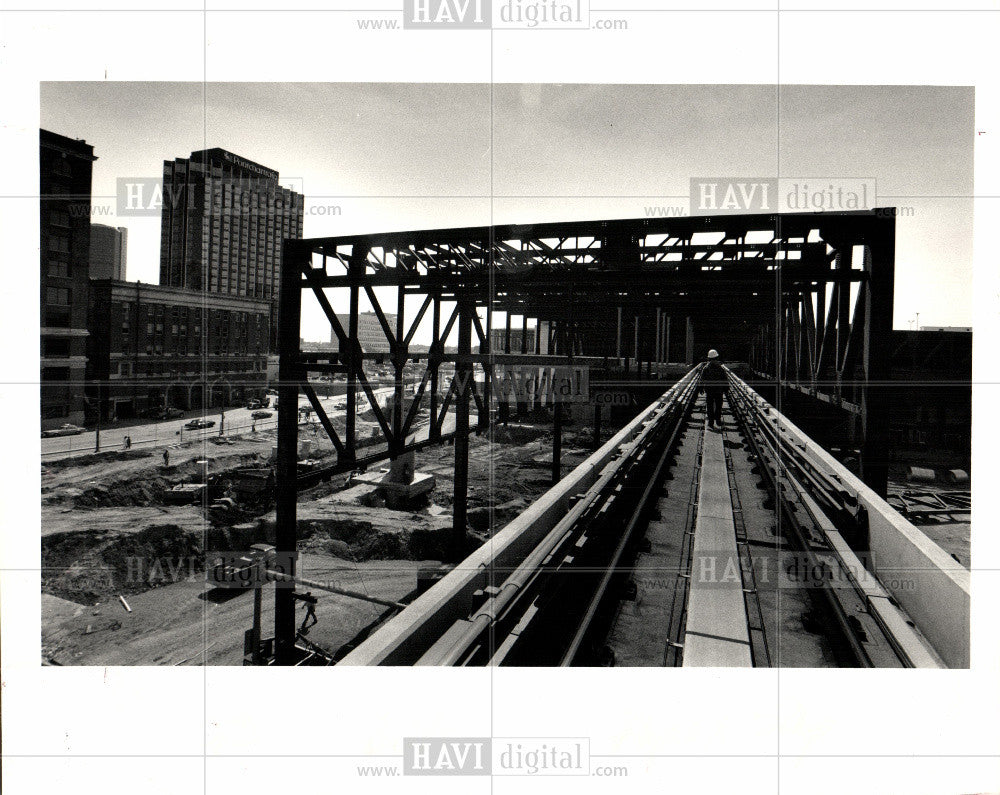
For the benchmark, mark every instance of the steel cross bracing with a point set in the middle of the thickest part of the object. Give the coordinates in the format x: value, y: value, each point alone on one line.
x: 603, y: 292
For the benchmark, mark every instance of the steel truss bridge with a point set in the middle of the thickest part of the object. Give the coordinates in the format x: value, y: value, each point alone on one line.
x: 805, y: 299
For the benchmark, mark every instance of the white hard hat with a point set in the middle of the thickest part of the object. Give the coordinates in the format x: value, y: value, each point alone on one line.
x: 713, y: 354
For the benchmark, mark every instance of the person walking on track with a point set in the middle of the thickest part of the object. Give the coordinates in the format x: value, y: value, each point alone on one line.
x: 713, y: 380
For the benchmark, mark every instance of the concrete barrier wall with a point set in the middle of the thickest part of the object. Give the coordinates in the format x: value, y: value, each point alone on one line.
x: 930, y: 585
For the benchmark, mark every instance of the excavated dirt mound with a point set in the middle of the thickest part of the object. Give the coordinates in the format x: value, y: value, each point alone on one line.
x: 519, y: 434
x: 360, y: 540
x: 87, y: 566
x: 145, y: 487
x: 135, y: 491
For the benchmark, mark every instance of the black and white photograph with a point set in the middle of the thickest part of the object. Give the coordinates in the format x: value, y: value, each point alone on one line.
x: 602, y: 396
x: 710, y: 433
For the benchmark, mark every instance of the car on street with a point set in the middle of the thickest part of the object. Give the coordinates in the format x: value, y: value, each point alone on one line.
x: 169, y: 413
x: 66, y: 429
x: 260, y: 415
x: 253, y: 404
x: 197, y: 424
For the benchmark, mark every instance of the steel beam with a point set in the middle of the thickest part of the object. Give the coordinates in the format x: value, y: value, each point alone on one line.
x: 876, y: 401
x: 463, y: 376
x: 294, y: 259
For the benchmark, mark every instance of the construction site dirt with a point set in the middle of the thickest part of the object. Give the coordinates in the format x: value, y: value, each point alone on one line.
x: 126, y: 540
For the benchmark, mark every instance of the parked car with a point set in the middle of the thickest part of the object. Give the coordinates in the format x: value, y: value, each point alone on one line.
x: 253, y: 404
x: 66, y: 429
x: 169, y: 413
x: 261, y: 414
x: 197, y: 424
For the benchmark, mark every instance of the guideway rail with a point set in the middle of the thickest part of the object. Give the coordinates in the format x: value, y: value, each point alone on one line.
x: 822, y: 514
x: 541, y: 602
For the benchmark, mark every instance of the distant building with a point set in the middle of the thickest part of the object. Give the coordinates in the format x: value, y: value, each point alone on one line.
x: 152, y: 346
x: 223, y: 224
x: 108, y: 251
x: 963, y: 329
x: 931, y: 374
x: 65, y: 171
x: 371, y: 335
x: 498, y: 338
x: 316, y: 347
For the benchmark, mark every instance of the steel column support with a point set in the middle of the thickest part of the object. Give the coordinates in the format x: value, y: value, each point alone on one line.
x: 433, y: 361
x: 463, y: 373
x: 820, y: 330
x: 659, y: 328
x: 294, y: 261
x: 399, y: 357
x: 356, y: 270
x: 842, y: 262
x: 635, y: 347
x: 557, y: 419
x: 876, y: 400
x: 521, y: 406
x: 486, y: 362
x: 255, y: 632
x: 556, y: 441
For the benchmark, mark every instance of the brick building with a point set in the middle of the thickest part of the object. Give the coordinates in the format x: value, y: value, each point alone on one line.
x: 65, y: 172
x: 153, y: 346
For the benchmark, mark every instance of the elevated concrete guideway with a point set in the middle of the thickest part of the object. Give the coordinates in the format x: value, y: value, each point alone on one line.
x: 716, y: 633
x: 607, y: 569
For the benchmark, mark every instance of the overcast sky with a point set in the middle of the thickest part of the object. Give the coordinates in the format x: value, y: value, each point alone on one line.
x: 422, y: 154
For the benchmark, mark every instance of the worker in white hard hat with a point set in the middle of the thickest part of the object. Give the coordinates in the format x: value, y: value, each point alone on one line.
x: 713, y: 381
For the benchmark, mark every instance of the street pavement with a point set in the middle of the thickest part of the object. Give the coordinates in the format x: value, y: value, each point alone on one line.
x: 163, y: 433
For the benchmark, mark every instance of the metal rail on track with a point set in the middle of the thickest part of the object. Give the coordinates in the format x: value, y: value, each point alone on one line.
x: 550, y: 593
x: 821, y: 512
x: 533, y: 616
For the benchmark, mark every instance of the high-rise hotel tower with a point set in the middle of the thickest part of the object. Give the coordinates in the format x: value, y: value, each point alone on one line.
x: 224, y: 220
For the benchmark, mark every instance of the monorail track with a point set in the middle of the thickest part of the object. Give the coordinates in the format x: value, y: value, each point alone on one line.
x: 677, y: 552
